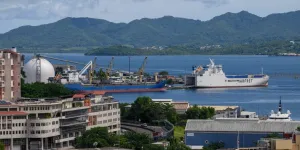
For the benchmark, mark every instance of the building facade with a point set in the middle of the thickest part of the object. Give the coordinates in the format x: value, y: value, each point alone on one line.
x: 10, y: 74
x: 235, y: 132
x: 54, y: 123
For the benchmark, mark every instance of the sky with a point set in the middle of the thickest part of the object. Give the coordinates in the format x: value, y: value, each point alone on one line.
x: 16, y: 13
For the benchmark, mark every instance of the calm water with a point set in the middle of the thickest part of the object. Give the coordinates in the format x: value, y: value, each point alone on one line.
x: 282, y: 71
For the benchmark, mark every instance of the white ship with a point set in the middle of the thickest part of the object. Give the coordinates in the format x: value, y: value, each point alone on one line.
x: 212, y: 76
x: 280, y: 116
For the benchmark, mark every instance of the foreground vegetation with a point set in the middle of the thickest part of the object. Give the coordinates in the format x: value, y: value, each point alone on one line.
x: 143, y: 109
x: 46, y: 90
x: 99, y: 137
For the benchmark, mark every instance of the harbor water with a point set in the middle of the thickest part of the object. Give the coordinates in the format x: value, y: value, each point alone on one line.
x: 284, y: 80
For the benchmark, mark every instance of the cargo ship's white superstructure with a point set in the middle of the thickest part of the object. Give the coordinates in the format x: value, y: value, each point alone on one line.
x: 212, y: 76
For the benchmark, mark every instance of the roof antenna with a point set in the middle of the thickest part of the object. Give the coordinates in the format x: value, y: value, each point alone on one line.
x: 280, y: 106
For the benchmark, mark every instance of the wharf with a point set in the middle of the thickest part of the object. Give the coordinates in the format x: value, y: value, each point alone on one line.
x: 180, y: 87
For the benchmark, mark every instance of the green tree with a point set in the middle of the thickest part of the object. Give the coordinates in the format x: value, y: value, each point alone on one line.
x: 101, y: 75
x: 170, y: 113
x: 214, y: 146
x: 170, y: 81
x: 176, y: 145
x: 39, y: 90
x: 273, y: 135
x: 196, y: 112
x: 163, y: 73
x: 2, y: 146
x: 137, y: 140
x: 298, y: 128
x: 97, y: 135
x: 153, y: 147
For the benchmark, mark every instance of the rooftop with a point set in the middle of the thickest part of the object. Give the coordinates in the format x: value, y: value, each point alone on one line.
x: 220, y: 108
x: 242, y: 125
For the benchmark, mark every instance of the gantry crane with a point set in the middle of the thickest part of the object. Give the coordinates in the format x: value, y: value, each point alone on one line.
x: 109, y: 69
x: 141, y: 70
x: 91, y: 71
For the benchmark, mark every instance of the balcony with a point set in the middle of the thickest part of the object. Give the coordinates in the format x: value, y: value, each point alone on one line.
x: 74, y: 108
x: 76, y: 128
x: 67, y: 123
x: 73, y: 114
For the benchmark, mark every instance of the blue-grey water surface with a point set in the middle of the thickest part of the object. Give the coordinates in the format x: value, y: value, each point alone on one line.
x: 283, y: 82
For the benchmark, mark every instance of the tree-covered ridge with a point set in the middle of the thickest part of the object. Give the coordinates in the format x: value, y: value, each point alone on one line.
x: 258, y: 48
x: 81, y: 34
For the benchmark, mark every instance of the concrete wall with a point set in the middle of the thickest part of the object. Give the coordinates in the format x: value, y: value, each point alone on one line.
x: 229, y: 138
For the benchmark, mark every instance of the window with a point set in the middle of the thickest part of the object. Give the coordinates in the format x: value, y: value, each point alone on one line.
x: 43, y: 124
x: 31, y: 132
x: 56, y: 122
x: 0, y: 132
x: 19, y: 124
x: 38, y: 132
x: 38, y: 124
x: 53, y: 122
x: 53, y: 130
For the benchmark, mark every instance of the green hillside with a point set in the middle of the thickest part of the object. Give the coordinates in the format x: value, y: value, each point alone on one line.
x: 260, y: 48
x: 83, y: 34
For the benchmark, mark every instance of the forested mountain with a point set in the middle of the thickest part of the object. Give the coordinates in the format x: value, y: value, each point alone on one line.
x: 87, y: 33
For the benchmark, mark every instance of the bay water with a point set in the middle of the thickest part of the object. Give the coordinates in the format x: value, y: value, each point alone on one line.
x: 284, y: 80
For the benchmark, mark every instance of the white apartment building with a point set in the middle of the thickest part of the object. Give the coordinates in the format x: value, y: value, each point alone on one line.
x: 40, y: 124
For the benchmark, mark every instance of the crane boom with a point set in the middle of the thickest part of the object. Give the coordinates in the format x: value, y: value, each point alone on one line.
x: 84, y: 69
x: 109, y: 69
x: 69, y: 61
x: 141, y: 70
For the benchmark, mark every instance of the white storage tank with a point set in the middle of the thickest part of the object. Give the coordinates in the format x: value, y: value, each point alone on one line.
x: 30, y: 69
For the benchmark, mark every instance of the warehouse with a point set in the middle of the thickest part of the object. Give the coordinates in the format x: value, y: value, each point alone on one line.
x: 229, y: 130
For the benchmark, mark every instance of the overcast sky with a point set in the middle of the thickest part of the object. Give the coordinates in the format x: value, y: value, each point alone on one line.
x: 15, y: 13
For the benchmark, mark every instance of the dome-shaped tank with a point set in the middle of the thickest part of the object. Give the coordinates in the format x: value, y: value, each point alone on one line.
x: 47, y: 70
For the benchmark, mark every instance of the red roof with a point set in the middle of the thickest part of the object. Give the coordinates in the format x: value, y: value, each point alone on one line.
x: 8, y: 113
x: 98, y: 92
x: 79, y: 96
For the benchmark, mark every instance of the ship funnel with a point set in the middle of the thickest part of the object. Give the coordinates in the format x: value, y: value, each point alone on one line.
x: 272, y: 111
x: 288, y: 112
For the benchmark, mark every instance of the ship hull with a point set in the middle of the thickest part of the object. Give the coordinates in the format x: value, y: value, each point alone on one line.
x: 231, y: 81
x: 160, y: 87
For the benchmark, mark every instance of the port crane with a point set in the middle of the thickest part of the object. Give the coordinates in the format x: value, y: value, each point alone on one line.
x: 109, y: 69
x: 141, y: 70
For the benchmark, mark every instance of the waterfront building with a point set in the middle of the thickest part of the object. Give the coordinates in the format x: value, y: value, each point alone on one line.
x: 10, y: 74
x: 248, y: 114
x: 55, y: 123
x: 235, y: 132
x: 225, y: 111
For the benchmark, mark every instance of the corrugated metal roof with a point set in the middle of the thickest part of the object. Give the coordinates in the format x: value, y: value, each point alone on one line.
x: 246, y: 125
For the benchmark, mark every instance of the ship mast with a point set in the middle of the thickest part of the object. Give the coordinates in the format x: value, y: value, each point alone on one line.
x: 280, y: 105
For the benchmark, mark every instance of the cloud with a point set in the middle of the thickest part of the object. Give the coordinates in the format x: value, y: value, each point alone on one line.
x: 211, y: 3
x: 14, y: 13
x: 43, y: 9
